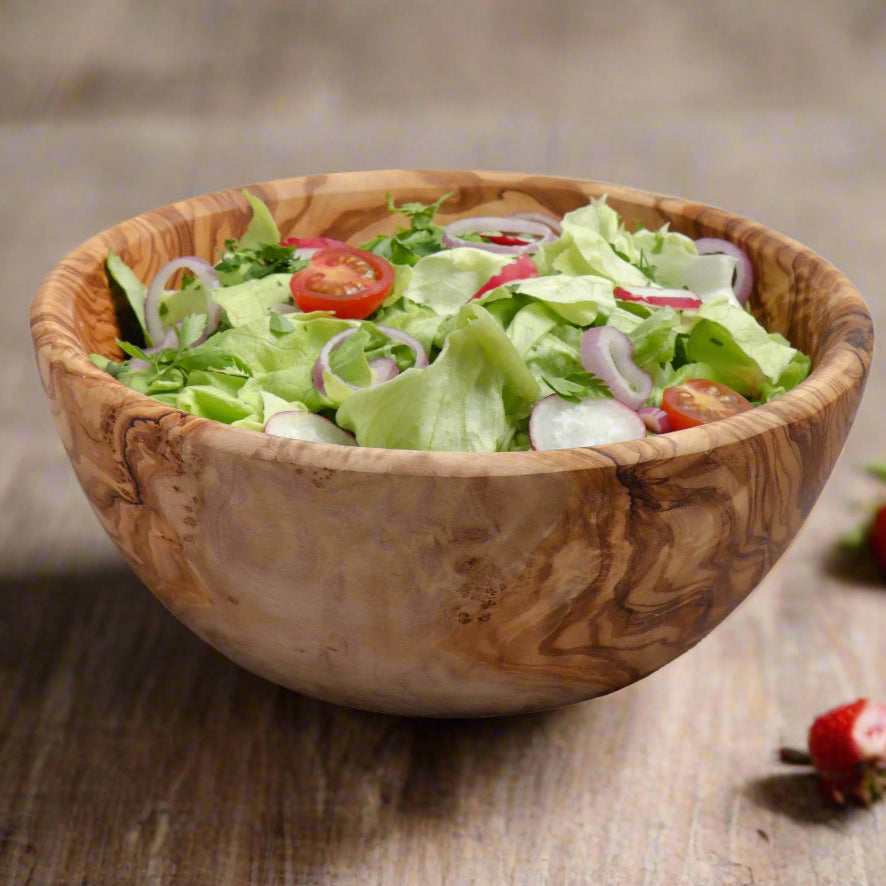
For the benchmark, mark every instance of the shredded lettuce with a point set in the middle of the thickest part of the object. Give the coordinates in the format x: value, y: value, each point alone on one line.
x: 491, y: 358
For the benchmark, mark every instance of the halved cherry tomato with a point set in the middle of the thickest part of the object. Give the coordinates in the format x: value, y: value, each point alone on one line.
x: 350, y: 282
x: 698, y: 400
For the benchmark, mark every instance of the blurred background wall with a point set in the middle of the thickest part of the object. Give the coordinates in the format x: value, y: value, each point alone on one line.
x: 772, y: 109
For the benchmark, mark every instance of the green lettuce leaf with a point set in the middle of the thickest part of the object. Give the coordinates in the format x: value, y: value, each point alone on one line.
x: 741, y: 353
x: 473, y: 398
x: 262, y: 229
x: 447, y: 280
x: 249, y: 301
x: 134, y: 291
x: 586, y: 247
x: 581, y: 300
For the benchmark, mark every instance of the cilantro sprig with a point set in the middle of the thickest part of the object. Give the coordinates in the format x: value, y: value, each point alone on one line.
x: 578, y: 385
x: 241, y: 263
x: 422, y: 237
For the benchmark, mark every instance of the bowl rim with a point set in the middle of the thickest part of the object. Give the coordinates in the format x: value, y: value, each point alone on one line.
x: 844, y: 365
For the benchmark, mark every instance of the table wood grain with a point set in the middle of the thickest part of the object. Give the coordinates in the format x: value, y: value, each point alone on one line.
x: 130, y: 752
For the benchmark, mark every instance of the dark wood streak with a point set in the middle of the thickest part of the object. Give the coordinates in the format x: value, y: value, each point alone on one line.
x: 527, y: 580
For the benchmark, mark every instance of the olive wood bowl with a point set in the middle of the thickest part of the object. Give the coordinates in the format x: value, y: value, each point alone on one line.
x: 446, y: 583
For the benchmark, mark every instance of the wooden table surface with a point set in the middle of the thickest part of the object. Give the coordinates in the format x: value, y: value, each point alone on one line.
x: 131, y: 753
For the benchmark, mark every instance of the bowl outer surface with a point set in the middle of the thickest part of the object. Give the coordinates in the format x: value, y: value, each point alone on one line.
x: 446, y: 584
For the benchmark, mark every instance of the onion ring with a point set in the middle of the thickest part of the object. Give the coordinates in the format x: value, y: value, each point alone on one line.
x: 382, y: 368
x: 452, y: 233
x: 606, y: 352
x: 205, y: 273
x: 655, y: 419
x: 542, y: 218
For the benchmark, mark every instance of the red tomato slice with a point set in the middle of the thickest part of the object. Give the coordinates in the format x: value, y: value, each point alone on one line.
x: 352, y: 283
x: 698, y: 400
x: 312, y: 242
x: 521, y: 268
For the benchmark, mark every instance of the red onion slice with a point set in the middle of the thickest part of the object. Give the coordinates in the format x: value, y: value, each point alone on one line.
x: 404, y: 338
x: 655, y: 419
x: 381, y: 367
x: 606, y: 352
x: 452, y: 233
x: 542, y: 218
x: 743, y: 282
x: 322, y: 363
x: 313, y: 428
x: 682, y: 299
x: 204, y: 272
x: 556, y: 423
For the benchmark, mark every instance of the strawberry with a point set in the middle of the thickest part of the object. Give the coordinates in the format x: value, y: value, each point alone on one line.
x: 847, y: 747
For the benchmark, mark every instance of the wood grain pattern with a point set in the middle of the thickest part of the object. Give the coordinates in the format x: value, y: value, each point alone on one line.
x: 464, y: 601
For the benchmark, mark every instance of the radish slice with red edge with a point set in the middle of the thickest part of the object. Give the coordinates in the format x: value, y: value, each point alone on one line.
x: 521, y: 268
x: 479, y: 224
x: 606, y: 352
x: 682, y: 299
x: 556, y: 423
x: 542, y: 218
x: 383, y: 371
x: 205, y: 273
x: 308, y: 426
x: 743, y: 282
x: 312, y: 242
x: 305, y: 247
x: 655, y: 419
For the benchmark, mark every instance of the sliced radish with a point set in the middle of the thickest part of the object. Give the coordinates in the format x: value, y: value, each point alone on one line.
x: 521, y: 268
x: 743, y: 281
x: 681, y: 299
x: 606, y: 352
x: 556, y: 423
x: 312, y: 242
x: 655, y: 419
x: 307, y: 426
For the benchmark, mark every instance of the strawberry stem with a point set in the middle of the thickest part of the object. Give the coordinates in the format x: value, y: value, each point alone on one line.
x: 794, y: 757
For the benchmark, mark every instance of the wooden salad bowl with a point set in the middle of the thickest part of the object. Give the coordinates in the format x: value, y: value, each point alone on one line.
x: 447, y: 583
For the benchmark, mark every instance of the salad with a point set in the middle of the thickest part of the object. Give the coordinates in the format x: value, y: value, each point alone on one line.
x: 482, y: 335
